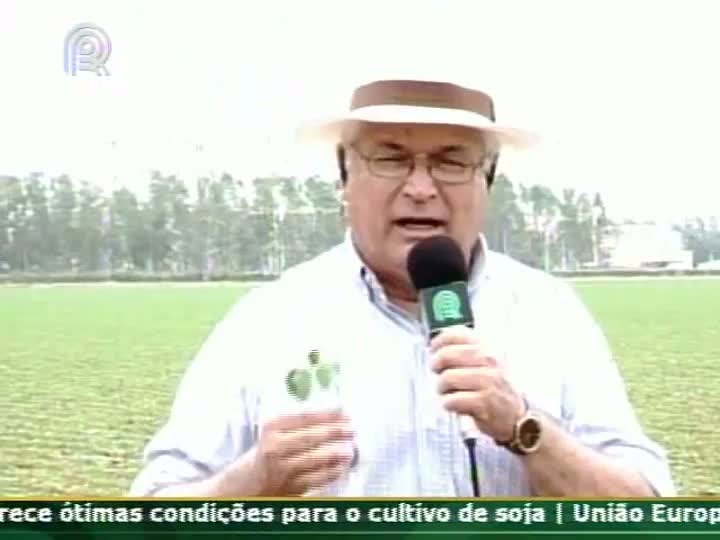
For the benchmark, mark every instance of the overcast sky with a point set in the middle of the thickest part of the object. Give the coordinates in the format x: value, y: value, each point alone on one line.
x: 625, y: 93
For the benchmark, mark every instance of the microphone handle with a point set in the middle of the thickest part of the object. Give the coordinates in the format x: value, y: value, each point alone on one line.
x: 468, y: 428
x: 470, y: 434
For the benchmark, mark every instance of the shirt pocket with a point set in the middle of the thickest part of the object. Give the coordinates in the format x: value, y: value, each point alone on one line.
x: 535, y: 374
x: 523, y: 342
x: 376, y: 393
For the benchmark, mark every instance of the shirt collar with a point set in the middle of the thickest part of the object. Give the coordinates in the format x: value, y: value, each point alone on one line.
x: 367, y: 279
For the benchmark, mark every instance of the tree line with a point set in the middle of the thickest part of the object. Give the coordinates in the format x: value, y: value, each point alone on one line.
x: 226, y: 226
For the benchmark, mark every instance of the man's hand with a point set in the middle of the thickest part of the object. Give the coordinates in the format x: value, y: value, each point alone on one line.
x: 473, y: 384
x: 298, y: 453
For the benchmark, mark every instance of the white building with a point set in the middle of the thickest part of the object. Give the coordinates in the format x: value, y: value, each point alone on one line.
x: 710, y: 265
x: 647, y: 245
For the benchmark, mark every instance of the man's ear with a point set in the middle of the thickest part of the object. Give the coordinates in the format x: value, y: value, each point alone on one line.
x: 342, y: 166
x: 490, y: 178
x: 340, y: 192
x: 340, y: 195
x: 343, y: 202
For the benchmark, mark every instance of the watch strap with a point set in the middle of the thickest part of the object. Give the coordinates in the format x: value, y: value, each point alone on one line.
x: 514, y: 443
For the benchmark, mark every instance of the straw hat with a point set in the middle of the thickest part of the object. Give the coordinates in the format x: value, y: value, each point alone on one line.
x: 418, y: 102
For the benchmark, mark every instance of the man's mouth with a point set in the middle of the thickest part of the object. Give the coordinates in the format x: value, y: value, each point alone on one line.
x: 419, y: 224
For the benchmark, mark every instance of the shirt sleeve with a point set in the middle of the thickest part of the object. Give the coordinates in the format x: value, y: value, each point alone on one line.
x: 210, y: 423
x: 596, y: 406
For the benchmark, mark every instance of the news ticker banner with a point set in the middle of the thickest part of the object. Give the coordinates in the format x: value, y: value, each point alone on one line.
x: 175, y: 519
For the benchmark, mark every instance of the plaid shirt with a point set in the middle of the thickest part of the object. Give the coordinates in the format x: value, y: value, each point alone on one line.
x: 408, y: 445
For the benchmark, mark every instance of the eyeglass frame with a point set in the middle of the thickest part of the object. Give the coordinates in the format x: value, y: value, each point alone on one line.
x: 471, y: 168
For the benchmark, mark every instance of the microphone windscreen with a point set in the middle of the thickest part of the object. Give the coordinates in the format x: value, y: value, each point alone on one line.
x: 436, y: 261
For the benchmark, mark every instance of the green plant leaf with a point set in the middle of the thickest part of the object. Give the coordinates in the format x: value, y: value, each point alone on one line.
x: 299, y: 383
x: 324, y: 375
x: 314, y: 357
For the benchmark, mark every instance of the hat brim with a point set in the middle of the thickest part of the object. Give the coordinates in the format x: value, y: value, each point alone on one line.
x: 332, y: 129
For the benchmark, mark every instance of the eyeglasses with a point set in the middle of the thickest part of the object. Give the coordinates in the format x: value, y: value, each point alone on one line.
x: 443, y: 169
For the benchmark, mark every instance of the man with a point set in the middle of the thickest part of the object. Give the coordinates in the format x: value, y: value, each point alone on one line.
x: 536, y: 375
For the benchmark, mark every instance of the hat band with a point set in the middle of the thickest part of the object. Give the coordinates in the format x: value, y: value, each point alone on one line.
x: 423, y: 94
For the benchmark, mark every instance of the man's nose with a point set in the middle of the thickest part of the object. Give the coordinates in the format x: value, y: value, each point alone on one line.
x: 419, y: 185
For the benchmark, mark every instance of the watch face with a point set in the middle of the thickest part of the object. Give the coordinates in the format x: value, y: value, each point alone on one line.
x: 529, y: 434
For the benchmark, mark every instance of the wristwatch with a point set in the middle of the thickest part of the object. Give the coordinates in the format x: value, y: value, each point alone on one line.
x: 527, y: 433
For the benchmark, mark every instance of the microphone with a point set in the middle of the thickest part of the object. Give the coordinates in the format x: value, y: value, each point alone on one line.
x: 438, y: 271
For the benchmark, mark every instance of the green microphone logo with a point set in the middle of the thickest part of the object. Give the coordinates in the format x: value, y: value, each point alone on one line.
x: 447, y: 306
